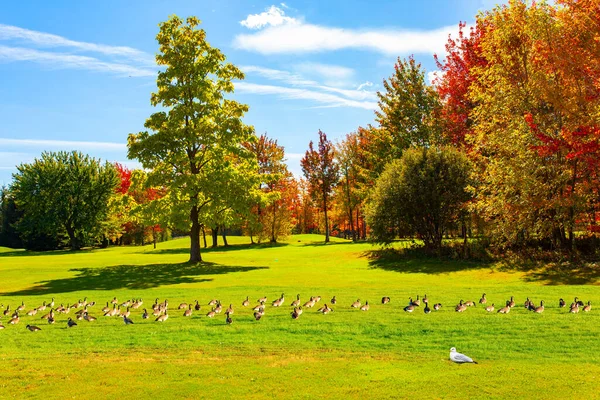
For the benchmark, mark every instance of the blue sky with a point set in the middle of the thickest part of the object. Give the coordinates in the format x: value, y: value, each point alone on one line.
x: 78, y: 75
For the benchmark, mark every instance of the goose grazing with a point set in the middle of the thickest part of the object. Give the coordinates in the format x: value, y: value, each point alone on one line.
x: 317, y: 299
x: 71, y: 323
x: 409, y: 308
x: 163, y: 317
x: 461, y: 307
x: 437, y: 306
x: 88, y: 317
x: 365, y: 307
x: 311, y: 303
x: 540, y: 309
x: 246, y: 302
x: 333, y: 300
x: 213, y: 302
x: 51, y: 319
x: 562, y: 303
x: 145, y: 314
x: 32, y: 312
x: 296, y: 302
x: 483, y: 299
x: 262, y: 299
x: 188, y: 312
x: 42, y: 307
x: 211, y: 313
x: 574, y: 308
x: 258, y: 315
x: 505, y: 309
x: 229, y: 310
x: 470, y: 303
x: 511, y: 303
x: 33, y: 328
x: 259, y: 308
x: 197, y: 306
x: 427, y: 310
x: 127, y: 321
x: 228, y: 319
x: 588, y: 307
x: 325, y: 309
x: 157, y: 313
x: 15, y: 319
x: 124, y: 304
x: 460, y: 358
x: 182, y: 306
x: 356, y: 304
x: 490, y: 308
x: 385, y: 300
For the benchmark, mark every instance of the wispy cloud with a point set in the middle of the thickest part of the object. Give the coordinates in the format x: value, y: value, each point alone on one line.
x: 42, y: 39
x: 69, y: 61
x: 63, y: 144
x: 326, y: 99
x: 272, y: 16
x: 327, y: 71
x: 291, y: 35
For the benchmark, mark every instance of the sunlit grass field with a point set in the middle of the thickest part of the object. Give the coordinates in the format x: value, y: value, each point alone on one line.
x: 381, y: 353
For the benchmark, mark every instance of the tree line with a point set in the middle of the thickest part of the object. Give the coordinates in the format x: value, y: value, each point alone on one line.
x: 504, y: 145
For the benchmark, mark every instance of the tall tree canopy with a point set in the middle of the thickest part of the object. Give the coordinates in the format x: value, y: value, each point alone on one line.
x: 63, y: 192
x: 194, y: 144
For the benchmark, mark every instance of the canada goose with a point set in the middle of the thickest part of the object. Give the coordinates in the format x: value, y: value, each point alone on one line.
x: 310, y: 304
x: 385, y: 300
x: 511, y: 303
x: 317, y: 299
x: 114, y: 301
x: 279, y: 302
x: 50, y: 314
x: 127, y: 313
x: 562, y: 303
x: 483, y: 299
x: 33, y: 328
x: 126, y: 304
x: 299, y: 310
x: 437, y: 306
x: 528, y: 303
x: 246, y: 302
x: 155, y: 306
x: 1, y: 326
x: 218, y: 308
x: 79, y: 317
x: 416, y: 302
x: 182, y: 306
x: 461, y: 307
x: 7, y: 311
x: 197, y: 306
x: 88, y: 317
x: 71, y: 323
x: 51, y: 320
x: 21, y: 307
x: 136, y: 304
x: 365, y: 307
x: 426, y: 310
x: 228, y: 319
x: 14, y: 320
x: 157, y: 313
x: 409, y: 308
x: 163, y: 317
x: 425, y: 299
x: 259, y: 307
x: 588, y: 307
x: 211, y: 313
x: 579, y: 303
x: 505, y: 309
x: 127, y: 321
x: 296, y: 302
x: 540, y: 309
x: 333, y: 300
x: 325, y: 309
x: 262, y: 299
x: 188, y: 312
x: 32, y: 312
x: 145, y: 314
x: 356, y: 304
x: 531, y: 306
x: 105, y: 309
x: 51, y: 303
x: 295, y: 314
x: 574, y: 308
x: 42, y: 307
x: 490, y: 308
x: 470, y: 303
x: 229, y: 310
x: 257, y: 315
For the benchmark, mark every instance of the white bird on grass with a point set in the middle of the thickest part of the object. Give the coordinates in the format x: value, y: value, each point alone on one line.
x: 460, y: 358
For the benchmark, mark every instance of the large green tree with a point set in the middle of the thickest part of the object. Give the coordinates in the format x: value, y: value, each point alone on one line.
x: 193, y: 144
x: 63, y: 192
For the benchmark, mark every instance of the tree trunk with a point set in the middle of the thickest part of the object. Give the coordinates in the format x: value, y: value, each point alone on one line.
x: 154, y: 237
x: 195, y: 236
x: 326, y: 221
x: 204, y: 236
x: 224, y: 234
x: 215, y: 236
x: 72, y: 238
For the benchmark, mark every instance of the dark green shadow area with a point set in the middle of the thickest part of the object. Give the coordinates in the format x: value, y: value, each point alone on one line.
x: 27, y: 253
x: 131, y: 277
x: 220, y: 249
x: 556, y: 274
x: 410, y: 262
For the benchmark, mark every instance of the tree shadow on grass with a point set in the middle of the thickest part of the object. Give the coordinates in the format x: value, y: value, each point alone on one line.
x: 569, y: 274
x: 407, y: 261
x: 220, y: 249
x: 31, y: 253
x: 131, y: 277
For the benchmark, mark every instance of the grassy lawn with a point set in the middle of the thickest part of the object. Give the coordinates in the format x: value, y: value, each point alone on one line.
x: 382, y: 353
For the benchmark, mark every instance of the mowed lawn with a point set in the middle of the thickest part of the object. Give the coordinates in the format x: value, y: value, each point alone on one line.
x: 381, y: 353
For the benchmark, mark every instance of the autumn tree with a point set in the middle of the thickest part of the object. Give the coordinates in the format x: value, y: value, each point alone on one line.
x: 193, y: 146
x: 322, y: 173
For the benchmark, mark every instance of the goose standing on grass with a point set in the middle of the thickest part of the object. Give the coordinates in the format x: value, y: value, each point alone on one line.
x: 31, y: 313
x: 311, y: 303
x: 416, y: 303
x: 333, y: 300
x: 71, y: 323
x: 574, y: 308
x: 145, y: 314
x: 437, y: 306
x: 21, y: 307
x: 163, y: 317
x: 365, y: 307
x: 505, y: 309
x: 188, y: 312
x: 230, y: 309
x: 295, y: 314
x: 1, y: 326
x: 409, y: 308
x: 385, y: 300
x: 15, y: 319
x: 279, y: 302
x: 33, y: 328
x: 579, y: 303
x: 197, y: 306
x: 426, y: 310
x: 490, y: 308
x: 483, y: 299
x: 296, y: 302
x: 460, y: 358
x: 356, y: 304
x: 127, y: 321
x: 540, y: 309
x: 461, y: 307
x: 211, y: 313
x: 470, y: 303
x: 262, y: 299
x: 42, y: 307
x: 219, y: 308
x: 245, y: 303
x: 228, y: 319
x: 182, y: 306
x: 7, y: 311
x: 562, y: 303
x: 588, y: 307
x: 511, y: 303
x: 88, y: 317
x: 213, y: 302
x: 258, y: 315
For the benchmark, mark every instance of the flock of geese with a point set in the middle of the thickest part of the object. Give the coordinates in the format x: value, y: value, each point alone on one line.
x: 160, y: 310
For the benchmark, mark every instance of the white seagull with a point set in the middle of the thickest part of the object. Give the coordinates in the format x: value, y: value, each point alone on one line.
x: 460, y: 358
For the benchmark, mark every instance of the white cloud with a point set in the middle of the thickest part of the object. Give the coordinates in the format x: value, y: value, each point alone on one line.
x: 42, y: 39
x: 364, y: 85
x: 326, y: 70
x: 69, y: 61
x: 63, y: 144
x: 307, y: 38
x: 432, y: 75
x: 326, y: 99
x: 273, y: 16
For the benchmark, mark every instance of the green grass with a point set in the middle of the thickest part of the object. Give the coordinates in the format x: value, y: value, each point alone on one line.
x: 382, y: 353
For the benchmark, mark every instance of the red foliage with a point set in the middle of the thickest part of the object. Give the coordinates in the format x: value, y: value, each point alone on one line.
x: 125, y: 175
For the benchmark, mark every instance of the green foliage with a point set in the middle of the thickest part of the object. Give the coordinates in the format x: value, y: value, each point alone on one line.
x: 9, y: 216
x: 194, y: 144
x: 63, y: 193
x: 422, y: 193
